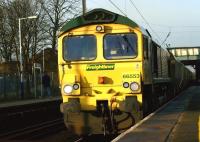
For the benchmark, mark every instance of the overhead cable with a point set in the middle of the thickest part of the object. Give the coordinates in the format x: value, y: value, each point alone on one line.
x: 133, y: 4
x: 117, y: 7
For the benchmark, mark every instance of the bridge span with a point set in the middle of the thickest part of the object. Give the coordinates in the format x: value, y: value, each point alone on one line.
x: 188, y: 56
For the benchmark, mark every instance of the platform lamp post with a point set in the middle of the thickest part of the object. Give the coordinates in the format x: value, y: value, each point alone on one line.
x: 20, y: 56
x: 84, y: 6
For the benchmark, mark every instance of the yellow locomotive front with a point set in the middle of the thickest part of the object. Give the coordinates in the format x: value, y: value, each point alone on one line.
x: 100, y: 72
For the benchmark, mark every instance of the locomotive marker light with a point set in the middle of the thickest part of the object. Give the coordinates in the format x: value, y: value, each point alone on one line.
x: 100, y: 28
x: 20, y: 54
x: 76, y: 86
x: 125, y: 84
x: 134, y: 86
x: 68, y: 89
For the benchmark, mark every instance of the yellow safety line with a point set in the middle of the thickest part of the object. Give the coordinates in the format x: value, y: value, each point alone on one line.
x: 199, y: 129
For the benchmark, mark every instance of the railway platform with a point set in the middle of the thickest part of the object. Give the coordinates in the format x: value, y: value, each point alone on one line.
x: 176, y: 121
x: 29, y: 102
x: 21, y: 114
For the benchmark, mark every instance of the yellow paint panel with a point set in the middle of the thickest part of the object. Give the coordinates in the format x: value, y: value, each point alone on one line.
x: 115, y: 72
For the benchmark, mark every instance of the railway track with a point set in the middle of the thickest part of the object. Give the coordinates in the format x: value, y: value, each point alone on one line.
x: 45, y: 131
x: 36, y: 131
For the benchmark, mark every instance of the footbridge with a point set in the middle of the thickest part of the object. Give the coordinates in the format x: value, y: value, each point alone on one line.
x: 188, y: 56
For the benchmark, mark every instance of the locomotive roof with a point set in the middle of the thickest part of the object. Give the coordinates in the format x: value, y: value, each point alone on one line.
x: 98, y: 16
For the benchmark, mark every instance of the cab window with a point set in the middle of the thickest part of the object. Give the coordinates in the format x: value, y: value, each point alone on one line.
x: 120, y: 46
x: 80, y: 47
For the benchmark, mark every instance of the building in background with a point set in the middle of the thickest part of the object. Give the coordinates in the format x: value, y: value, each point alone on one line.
x: 10, y: 79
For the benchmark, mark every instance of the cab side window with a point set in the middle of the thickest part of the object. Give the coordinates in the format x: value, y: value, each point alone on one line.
x: 155, y: 56
x: 145, y: 47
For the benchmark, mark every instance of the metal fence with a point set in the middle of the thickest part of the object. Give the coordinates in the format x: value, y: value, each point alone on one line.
x: 10, y: 86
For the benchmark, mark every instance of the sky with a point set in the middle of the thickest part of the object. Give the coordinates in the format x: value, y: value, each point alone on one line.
x: 180, y: 18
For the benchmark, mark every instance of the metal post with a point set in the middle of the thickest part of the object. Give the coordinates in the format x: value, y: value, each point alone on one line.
x: 4, y: 86
x: 42, y: 72
x: 43, y: 60
x: 35, y: 84
x: 21, y: 62
x: 84, y: 6
x: 41, y: 85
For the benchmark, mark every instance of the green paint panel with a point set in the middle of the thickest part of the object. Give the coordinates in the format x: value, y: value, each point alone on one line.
x: 97, y: 16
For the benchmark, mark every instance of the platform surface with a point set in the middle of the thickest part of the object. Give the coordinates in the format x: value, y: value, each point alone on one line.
x: 31, y: 101
x: 177, y: 121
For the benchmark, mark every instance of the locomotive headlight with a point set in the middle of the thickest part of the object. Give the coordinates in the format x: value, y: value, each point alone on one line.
x: 67, y: 89
x: 134, y: 86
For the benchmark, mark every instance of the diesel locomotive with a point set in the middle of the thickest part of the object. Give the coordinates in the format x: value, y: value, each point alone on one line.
x: 112, y: 73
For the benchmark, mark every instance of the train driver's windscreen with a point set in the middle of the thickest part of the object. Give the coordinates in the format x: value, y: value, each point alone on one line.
x: 120, y: 46
x: 77, y: 48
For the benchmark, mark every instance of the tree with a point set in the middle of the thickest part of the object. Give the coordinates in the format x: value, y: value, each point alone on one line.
x: 6, y: 39
x: 58, y: 12
x: 36, y: 34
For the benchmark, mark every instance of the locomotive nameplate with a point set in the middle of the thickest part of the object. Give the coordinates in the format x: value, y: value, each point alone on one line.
x: 95, y: 67
x: 131, y: 75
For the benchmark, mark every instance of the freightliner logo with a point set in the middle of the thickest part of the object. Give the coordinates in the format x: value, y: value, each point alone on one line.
x: 96, y: 67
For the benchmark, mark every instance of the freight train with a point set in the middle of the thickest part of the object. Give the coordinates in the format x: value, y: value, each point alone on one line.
x: 112, y: 73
